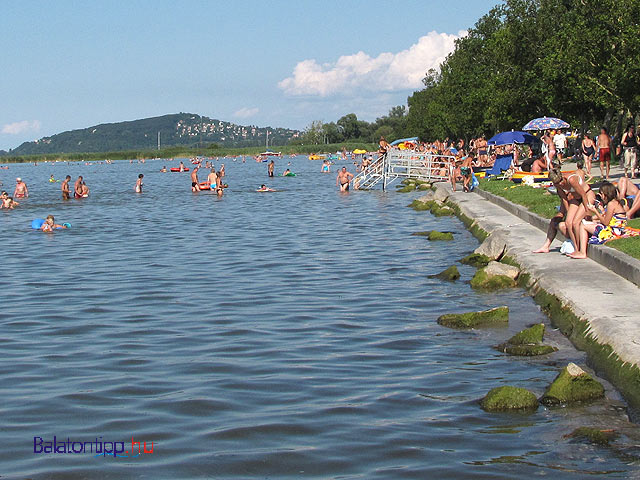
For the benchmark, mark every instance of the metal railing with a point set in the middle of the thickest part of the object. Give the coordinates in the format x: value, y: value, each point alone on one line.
x: 405, y: 164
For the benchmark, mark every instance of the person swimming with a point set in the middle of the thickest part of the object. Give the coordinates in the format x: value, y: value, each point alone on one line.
x: 264, y: 188
x: 49, y: 224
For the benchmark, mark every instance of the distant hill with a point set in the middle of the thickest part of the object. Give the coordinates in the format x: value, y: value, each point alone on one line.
x: 186, y: 129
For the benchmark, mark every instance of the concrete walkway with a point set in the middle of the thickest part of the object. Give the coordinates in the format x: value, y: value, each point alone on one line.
x: 609, y: 303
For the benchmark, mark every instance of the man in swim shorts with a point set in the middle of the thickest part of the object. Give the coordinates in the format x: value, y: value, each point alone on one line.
x: 21, y: 190
x: 343, y: 179
x: 77, y: 188
x: 65, y: 188
x: 604, y: 151
x: 195, y: 185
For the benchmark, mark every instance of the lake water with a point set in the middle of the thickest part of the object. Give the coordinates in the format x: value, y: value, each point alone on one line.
x: 281, y: 335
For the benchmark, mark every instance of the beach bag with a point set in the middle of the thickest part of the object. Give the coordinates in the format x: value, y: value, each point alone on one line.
x: 567, y: 247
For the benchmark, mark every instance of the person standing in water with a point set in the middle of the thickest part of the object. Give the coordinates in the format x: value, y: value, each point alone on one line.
x: 66, y: 194
x: 77, y: 188
x: 21, y: 190
x: 271, y: 168
x: 138, y: 187
x: 195, y: 185
x: 212, y: 178
x: 343, y: 179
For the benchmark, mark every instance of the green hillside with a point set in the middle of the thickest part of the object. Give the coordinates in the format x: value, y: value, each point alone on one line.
x: 180, y: 129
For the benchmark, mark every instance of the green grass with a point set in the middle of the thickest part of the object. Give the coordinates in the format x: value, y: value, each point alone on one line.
x: 533, y: 198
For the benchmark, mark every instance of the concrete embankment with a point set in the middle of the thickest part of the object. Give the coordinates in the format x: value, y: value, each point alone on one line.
x: 598, y: 310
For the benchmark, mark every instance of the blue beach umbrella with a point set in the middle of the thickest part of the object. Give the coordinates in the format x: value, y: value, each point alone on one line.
x: 545, y: 123
x: 507, y: 138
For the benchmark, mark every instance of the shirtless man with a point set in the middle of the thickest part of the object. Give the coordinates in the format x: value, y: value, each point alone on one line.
x: 195, y: 185
x: 604, y: 151
x: 77, y: 188
x: 182, y: 167
x: 271, y: 168
x: 66, y: 194
x: 21, y: 190
x: 343, y: 179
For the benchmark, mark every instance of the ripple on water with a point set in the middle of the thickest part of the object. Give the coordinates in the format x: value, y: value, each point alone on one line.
x: 290, y: 335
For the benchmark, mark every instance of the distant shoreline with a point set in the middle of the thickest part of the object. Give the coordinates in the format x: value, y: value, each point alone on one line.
x: 182, y: 152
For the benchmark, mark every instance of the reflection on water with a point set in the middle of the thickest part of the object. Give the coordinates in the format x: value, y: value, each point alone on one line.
x: 271, y: 335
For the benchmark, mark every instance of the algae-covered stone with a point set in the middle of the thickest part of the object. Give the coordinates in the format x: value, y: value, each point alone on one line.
x: 424, y: 186
x: 531, y: 335
x: 435, y: 235
x: 477, y: 260
x: 493, y: 246
x: 482, y: 281
x: 451, y: 274
x: 526, y: 350
x: 500, y: 269
x: 419, y: 206
x: 494, y: 316
x: 594, y: 435
x: 421, y: 234
x: 409, y: 188
x: 527, y: 343
x: 507, y: 398
x: 442, y: 211
x: 572, y: 385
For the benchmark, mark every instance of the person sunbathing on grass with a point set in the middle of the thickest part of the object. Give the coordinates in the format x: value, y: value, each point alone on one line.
x: 611, y: 222
x: 626, y: 188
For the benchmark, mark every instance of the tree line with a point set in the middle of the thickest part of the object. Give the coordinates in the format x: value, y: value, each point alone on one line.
x: 578, y: 60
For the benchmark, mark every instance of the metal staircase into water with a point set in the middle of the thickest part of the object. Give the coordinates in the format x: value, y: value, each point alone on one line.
x: 404, y: 164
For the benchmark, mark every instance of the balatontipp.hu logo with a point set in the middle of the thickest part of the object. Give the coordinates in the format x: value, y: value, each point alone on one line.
x: 97, y: 447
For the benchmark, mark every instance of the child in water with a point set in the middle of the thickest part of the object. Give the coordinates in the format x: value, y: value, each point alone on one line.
x: 49, y: 224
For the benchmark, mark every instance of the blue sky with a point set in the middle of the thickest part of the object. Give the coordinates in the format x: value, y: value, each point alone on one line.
x: 68, y: 65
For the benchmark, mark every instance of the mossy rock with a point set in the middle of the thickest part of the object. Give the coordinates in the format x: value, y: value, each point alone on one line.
x: 407, y: 181
x: 407, y: 189
x: 485, y: 318
x: 442, y: 211
x: 594, y: 435
x: 531, y: 335
x: 419, y: 206
x: 482, y: 281
x: 572, y: 385
x: 421, y: 182
x: 451, y: 274
x: 526, y: 350
x: 424, y: 186
x: 434, y: 235
x: 476, y: 260
x: 421, y: 234
x: 508, y: 398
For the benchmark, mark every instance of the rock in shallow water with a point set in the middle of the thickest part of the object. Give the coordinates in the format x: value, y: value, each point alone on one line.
x: 507, y: 398
x: 572, y: 385
x: 485, y: 318
x: 451, y: 274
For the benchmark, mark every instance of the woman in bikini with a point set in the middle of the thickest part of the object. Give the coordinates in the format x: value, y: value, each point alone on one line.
x: 609, y: 223
x: 588, y: 149
x: 579, y: 187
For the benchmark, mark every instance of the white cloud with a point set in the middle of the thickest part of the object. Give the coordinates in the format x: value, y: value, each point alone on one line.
x: 16, y: 128
x: 386, y: 72
x: 246, y: 112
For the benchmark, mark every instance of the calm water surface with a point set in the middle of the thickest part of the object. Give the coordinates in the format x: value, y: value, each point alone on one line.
x: 281, y: 335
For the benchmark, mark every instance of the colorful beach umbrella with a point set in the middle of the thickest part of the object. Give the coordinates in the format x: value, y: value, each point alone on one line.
x: 545, y: 123
x: 402, y: 140
x: 507, y: 138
